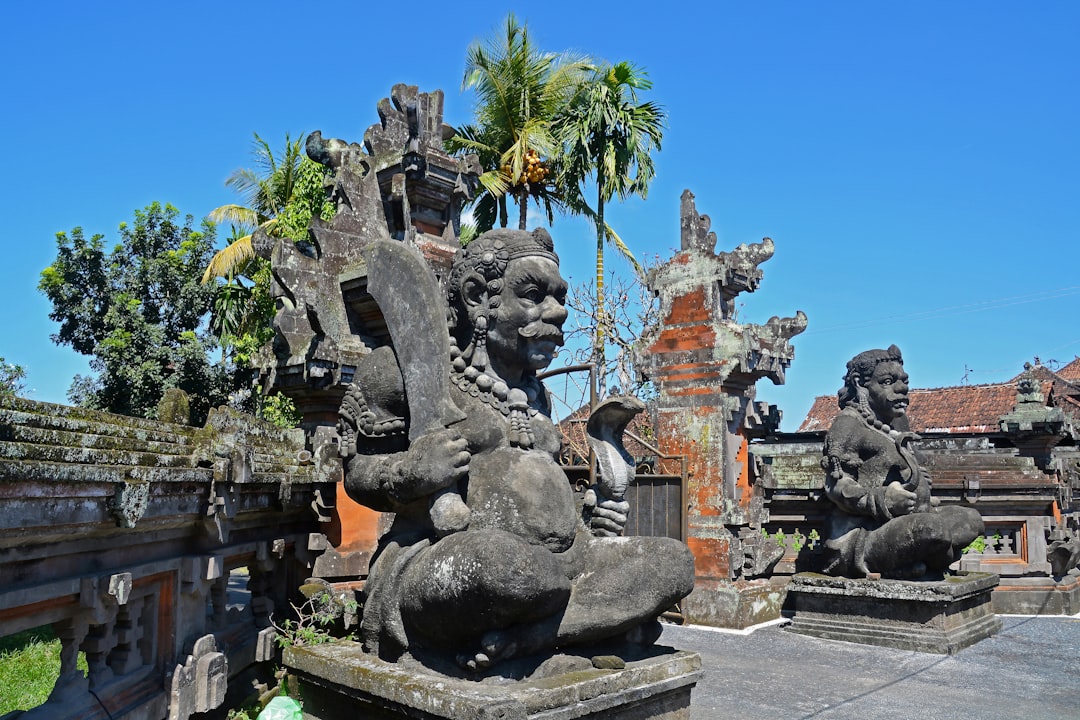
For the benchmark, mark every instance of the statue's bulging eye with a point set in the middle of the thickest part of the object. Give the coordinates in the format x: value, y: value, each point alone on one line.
x: 534, y: 294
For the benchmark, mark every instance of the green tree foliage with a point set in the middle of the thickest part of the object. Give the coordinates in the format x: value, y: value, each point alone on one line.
x: 11, y: 379
x: 139, y: 311
x: 608, y: 137
x: 280, y: 194
x: 519, y: 90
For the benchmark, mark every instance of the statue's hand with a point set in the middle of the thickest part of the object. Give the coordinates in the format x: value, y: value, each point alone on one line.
x: 898, y: 500
x: 433, y: 461
x: 608, y: 517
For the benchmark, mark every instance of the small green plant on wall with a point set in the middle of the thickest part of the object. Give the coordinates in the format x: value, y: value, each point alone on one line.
x: 978, y: 545
x: 317, y: 617
x: 795, y: 541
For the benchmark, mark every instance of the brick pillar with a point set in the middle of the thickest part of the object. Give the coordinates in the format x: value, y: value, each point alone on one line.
x: 705, y: 366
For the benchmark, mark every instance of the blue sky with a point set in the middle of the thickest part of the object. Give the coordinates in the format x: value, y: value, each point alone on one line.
x: 915, y: 163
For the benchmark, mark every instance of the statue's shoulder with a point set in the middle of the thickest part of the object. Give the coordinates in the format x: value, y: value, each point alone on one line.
x: 846, y: 418
x: 847, y: 429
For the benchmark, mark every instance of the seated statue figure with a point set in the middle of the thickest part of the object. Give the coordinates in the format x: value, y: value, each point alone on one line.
x: 530, y: 568
x: 884, y: 521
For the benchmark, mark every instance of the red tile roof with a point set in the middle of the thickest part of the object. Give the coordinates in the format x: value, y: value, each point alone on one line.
x: 960, y: 409
x: 576, y: 445
x: 1071, y: 372
x: 1068, y: 373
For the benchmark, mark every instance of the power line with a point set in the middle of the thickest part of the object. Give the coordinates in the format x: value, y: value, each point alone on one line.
x: 982, y: 306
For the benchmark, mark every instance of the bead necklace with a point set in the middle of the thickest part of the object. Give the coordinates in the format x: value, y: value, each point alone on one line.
x: 514, y: 404
x: 868, y: 416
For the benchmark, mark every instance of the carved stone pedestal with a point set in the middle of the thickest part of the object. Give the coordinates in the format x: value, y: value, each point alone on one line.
x: 339, y: 680
x: 936, y: 617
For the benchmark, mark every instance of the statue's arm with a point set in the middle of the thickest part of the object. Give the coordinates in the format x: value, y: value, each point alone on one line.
x: 383, y: 469
x: 373, y: 480
x: 391, y: 481
x: 842, y: 463
x: 607, y: 506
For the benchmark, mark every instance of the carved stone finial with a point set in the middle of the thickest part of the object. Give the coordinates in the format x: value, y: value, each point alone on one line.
x: 174, y: 407
x: 1028, y: 389
x: 1040, y: 425
x: 695, y: 228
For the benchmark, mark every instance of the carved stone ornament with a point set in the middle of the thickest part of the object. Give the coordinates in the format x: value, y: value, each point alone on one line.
x: 199, y: 683
x: 129, y: 502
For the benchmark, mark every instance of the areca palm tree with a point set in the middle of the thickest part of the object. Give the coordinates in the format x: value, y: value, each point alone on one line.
x: 609, y: 136
x: 519, y: 92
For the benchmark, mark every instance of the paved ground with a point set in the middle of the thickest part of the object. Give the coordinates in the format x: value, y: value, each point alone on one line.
x: 1030, y: 670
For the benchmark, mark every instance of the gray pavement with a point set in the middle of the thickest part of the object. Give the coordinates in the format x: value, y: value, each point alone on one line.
x: 1030, y: 670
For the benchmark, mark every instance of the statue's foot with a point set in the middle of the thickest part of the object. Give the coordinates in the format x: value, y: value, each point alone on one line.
x: 496, y: 645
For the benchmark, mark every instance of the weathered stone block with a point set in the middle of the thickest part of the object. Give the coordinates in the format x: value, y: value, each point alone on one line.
x: 1038, y: 595
x: 339, y: 680
x: 734, y: 604
x: 943, y: 616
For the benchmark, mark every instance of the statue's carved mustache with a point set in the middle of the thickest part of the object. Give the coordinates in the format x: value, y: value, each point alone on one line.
x: 542, y: 331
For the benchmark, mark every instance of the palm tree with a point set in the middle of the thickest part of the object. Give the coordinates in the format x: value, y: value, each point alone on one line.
x: 266, y: 192
x: 280, y: 197
x: 609, y: 136
x: 519, y: 91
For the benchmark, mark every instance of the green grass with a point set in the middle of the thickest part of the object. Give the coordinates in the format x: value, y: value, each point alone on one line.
x: 29, y: 666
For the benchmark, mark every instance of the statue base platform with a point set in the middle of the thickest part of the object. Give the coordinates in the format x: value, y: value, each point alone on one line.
x: 340, y: 680
x: 942, y: 616
x: 1038, y: 595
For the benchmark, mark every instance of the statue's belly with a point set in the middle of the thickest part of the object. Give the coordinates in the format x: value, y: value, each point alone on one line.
x: 523, y: 492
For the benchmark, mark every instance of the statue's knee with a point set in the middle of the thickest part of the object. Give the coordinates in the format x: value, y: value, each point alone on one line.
x: 927, y: 529
x: 526, y: 581
x: 671, y: 563
x: 682, y: 563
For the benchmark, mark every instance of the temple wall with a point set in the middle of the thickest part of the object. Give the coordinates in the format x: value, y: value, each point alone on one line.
x: 159, y: 550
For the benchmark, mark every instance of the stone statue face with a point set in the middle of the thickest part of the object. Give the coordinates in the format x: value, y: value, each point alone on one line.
x: 888, y: 391
x: 526, y: 329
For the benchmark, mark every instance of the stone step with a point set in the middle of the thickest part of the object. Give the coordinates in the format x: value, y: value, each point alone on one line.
x: 91, y: 456
x: 47, y: 416
x: 66, y: 472
x: 36, y: 435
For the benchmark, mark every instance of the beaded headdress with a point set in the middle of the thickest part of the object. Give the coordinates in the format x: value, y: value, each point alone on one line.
x: 488, y: 254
